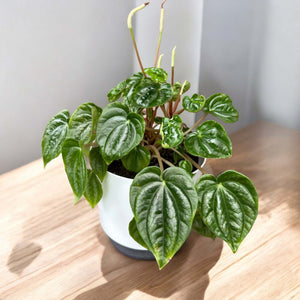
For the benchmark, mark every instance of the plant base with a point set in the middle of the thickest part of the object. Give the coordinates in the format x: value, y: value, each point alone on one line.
x: 133, y: 253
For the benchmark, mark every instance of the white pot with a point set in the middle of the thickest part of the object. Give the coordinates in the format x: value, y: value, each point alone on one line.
x: 115, y: 211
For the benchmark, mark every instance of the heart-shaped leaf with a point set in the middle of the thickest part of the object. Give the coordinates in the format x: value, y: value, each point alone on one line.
x: 194, y: 103
x: 164, y: 206
x: 75, y: 167
x: 97, y: 163
x: 83, y: 122
x: 148, y: 93
x: 228, y: 205
x: 54, y: 136
x: 220, y: 105
x: 210, y: 140
x: 177, y: 88
x: 118, y: 131
x: 201, y: 228
x: 137, y: 159
x: 133, y: 231
x: 157, y: 74
x: 171, y: 133
x: 115, y: 93
x: 93, y: 191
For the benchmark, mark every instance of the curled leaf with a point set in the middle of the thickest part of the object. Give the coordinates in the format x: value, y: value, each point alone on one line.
x: 194, y: 103
x: 157, y: 74
x: 171, y: 133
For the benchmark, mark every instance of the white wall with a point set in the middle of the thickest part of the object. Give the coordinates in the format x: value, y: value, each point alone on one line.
x: 251, y: 50
x: 54, y: 55
x: 183, y: 27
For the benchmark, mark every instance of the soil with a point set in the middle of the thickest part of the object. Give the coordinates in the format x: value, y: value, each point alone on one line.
x: 116, y: 167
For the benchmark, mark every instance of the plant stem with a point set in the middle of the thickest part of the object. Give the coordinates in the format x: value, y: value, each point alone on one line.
x: 161, y: 27
x: 91, y: 145
x: 129, y: 24
x: 165, y: 161
x: 196, y: 124
x: 170, y: 107
x: 179, y: 96
x: 186, y: 157
x: 164, y: 110
x: 152, y: 129
x: 158, y: 156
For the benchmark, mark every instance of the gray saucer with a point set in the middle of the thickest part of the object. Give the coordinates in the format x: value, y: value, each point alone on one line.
x: 133, y: 253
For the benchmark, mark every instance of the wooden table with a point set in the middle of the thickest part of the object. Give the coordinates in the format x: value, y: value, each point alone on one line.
x: 50, y: 249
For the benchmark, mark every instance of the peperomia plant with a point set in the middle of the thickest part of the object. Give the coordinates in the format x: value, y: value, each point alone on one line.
x: 162, y: 152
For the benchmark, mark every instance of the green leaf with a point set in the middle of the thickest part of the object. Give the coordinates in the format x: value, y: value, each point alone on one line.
x: 228, y: 205
x: 97, y: 163
x: 164, y: 206
x: 170, y: 131
x: 194, y: 103
x: 133, y: 231
x: 177, y: 88
x: 115, y: 93
x: 201, y: 228
x: 186, y: 165
x: 210, y: 140
x: 93, y: 191
x: 137, y: 159
x: 54, y: 136
x: 131, y: 82
x: 148, y: 93
x: 84, y: 121
x: 157, y: 74
x: 220, y: 105
x: 75, y: 167
x: 118, y: 131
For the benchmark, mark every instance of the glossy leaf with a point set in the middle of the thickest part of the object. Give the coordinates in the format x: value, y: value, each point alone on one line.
x: 54, y: 135
x: 220, y: 105
x: 84, y: 121
x: 157, y: 74
x: 170, y: 131
x: 148, y: 93
x: 186, y: 165
x: 201, y: 228
x: 228, y: 205
x: 164, y: 206
x: 131, y: 82
x: 210, y: 140
x: 118, y: 131
x: 133, y: 231
x: 137, y: 159
x: 115, y: 93
x: 97, y: 163
x: 93, y: 191
x: 75, y: 167
x: 177, y: 88
x: 194, y: 103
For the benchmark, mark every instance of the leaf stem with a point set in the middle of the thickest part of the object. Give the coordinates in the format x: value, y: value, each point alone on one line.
x: 129, y: 24
x: 179, y: 96
x: 178, y: 112
x: 196, y: 124
x: 158, y: 156
x: 186, y: 157
x: 164, y: 110
x: 165, y: 161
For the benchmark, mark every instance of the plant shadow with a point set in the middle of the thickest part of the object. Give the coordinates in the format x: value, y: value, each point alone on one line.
x: 186, y: 274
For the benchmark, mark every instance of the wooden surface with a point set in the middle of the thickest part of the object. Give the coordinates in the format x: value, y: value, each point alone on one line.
x: 50, y: 249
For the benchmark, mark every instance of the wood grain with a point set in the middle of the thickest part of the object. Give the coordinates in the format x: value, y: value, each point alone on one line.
x: 51, y: 249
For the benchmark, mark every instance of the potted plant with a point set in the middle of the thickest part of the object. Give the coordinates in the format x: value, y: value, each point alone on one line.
x: 144, y: 163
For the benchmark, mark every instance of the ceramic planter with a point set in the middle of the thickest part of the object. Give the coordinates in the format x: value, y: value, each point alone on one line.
x: 115, y: 214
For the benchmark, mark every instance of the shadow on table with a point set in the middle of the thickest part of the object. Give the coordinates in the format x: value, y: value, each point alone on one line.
x: 187, y: 271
